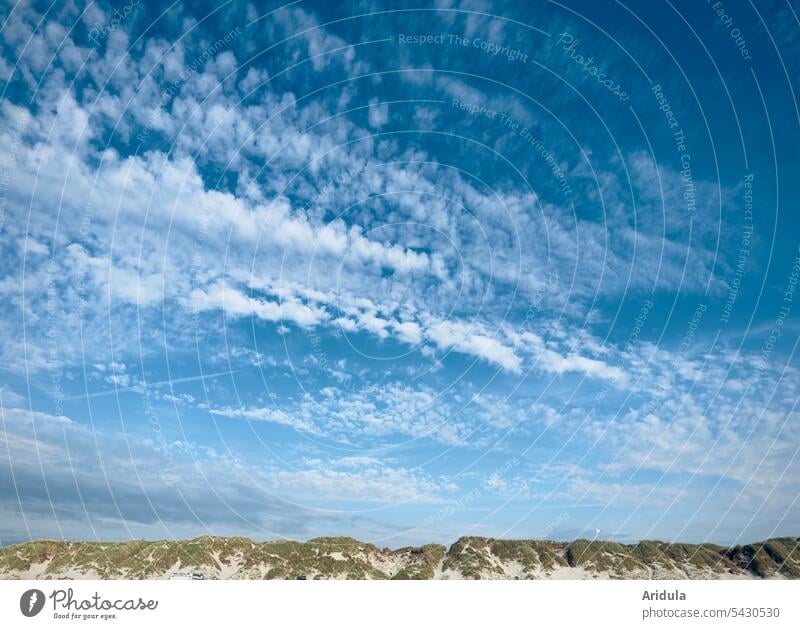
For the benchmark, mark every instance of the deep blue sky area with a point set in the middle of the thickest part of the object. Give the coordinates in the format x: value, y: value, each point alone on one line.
x: 400, y: 271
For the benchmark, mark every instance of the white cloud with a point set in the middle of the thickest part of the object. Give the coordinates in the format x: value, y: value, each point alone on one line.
x: 465, y: 338
x: 273, y: 415
x: 236, y: 304
x: 351, y: 416
x: 378, y: 113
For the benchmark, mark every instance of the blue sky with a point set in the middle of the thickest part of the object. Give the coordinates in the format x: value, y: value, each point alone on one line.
x: 403, y: 272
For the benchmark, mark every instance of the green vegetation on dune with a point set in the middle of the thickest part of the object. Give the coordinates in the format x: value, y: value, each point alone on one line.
x: 471, y: 557
x: 421, y: 562
x: 779, y: 555
x: 530, y: 554
x: 348, y: 558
